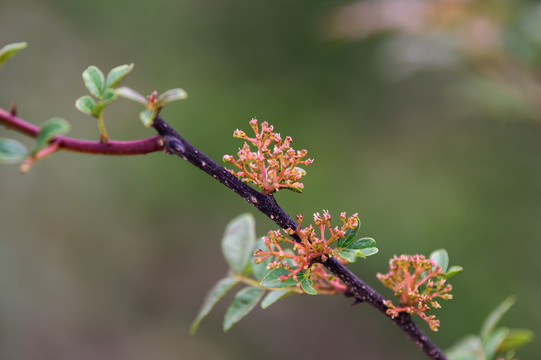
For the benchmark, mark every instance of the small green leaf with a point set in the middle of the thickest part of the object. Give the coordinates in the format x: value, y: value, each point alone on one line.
x: 85, y: 104
x: 242, y: 304
x: 12, y: 151
x: 9, y: 50
x: 116, y: 74
x: 495, y: 316
x: 238, y: 242
x: 274, y: 296
x: 349, y: 236
x: 51, y: 128
x: 130, y: 94
x: 147, y: 117
x: 307, y: 286
x: 368, y: 252
x: 466, y: 349
x: 272, y: 279
x: 494, y: 340
x: 171, y: 95
x: 363, y: 243
x: 260, y: 270
x: 515, y: 338
x: 218, y: 291
x: 349, y: 254
x: 453, y: 271
x: 441, y: 258
x: 94, y: 81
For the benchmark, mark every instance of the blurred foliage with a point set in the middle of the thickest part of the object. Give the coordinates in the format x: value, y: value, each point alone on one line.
x: 109, y: 257
x: 495, y: 43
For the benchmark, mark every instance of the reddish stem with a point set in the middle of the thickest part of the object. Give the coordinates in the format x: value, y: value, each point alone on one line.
x: 111, y: 147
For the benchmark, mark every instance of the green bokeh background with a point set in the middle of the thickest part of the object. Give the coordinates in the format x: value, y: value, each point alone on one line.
x: 110, y: 258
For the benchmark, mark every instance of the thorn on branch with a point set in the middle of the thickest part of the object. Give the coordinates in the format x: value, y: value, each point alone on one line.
x: 13, y: 111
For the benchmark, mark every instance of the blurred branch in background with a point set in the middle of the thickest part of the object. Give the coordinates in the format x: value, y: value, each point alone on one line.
x: 494, y: 45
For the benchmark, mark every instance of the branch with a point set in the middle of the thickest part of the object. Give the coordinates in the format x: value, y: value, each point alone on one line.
x: 172, y: 143
x: 134, y: 147
x: 176, y: 145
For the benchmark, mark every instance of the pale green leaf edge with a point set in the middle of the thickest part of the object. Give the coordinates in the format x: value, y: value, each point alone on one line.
x: 217, y: 292
x: 244, y: 302
x: 238, y: 242
x: 273, y: 296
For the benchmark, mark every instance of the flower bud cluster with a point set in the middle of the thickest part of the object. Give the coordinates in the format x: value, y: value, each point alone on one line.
x: 417, y: 282
x: 315, y: 244
x: 274, y: 165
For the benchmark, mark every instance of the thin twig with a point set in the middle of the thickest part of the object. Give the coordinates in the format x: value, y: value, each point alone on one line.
x: 134, y: 147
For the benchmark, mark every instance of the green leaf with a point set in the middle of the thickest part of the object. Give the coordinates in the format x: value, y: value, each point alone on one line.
x: 9, y: 50
x: 306, y: 285
x: 349, y: 236
x: 171, y: 95
x: 494, y: 340
x: 363, y: 243
x: 349, y: 254
x: 130, y: 94
x: 272, y: 279
x: 515, y: 338
x: 273, y: 296
x: 85, y: 104
x: 12, y: 151
x: 441, y: 258
x: 218, y: 291
x: 368, y: 252
x: 51, y: 128
x: 466, y: 349
x: 108, y: 96
x: 147, y: 117
x: 495, y: 316
x: 260, y: 270
x: 116, y: 74
x: 238, y: 242
x: 453, y: 271
x: 94, y: 81
x: 242, y: 304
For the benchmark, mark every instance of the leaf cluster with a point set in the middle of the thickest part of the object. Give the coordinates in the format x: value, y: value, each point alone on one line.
x: 350, y: 248
x: 493, y: 342
x: 238, y: 244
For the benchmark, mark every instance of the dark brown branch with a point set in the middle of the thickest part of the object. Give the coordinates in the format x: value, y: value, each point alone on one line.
x: 172, y: 143
x: 176, y: 145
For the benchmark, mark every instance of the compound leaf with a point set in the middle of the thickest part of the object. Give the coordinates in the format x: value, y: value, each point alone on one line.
x: 217, y: 292
x: 495, y: 316
x: 242, y: 304
x: 274, y: 296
